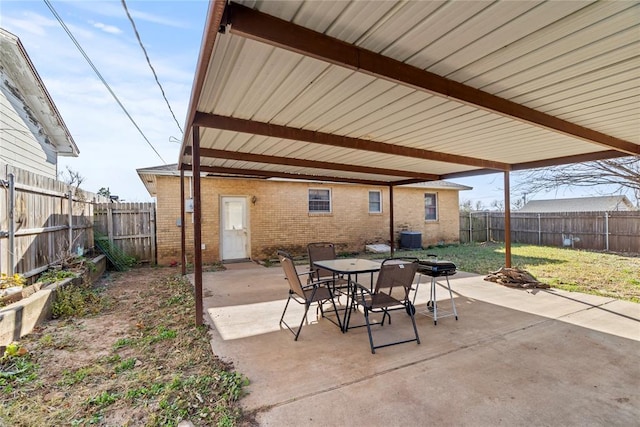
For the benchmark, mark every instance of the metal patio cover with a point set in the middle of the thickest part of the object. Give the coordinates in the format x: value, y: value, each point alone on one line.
x: 393, y: 92
x: 397, y: 92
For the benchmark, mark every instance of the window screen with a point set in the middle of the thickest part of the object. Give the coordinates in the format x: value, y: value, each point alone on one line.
x: 319, y: 200
x: 430, y: 207
x: 375, y: 202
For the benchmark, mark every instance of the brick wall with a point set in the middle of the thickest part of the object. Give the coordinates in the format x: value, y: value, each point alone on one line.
x: 409, y: 215
x: 280, y: 218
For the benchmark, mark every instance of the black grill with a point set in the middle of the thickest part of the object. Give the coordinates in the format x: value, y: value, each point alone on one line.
x: 435, y: 268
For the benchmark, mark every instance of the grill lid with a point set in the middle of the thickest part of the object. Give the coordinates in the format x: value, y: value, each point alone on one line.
x: 436, y: 267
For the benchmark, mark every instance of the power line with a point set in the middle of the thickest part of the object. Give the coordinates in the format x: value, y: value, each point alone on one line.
x: 135, y: 30
x: 73, y: 39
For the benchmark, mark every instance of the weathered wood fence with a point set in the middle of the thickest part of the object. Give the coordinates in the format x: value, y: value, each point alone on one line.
x: 42, y: 221
x: 617, y: 231
x: 131, y: 227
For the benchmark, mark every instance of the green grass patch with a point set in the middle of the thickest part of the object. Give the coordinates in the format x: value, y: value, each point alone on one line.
x: 145, y: 392
x: 126, y: 365
x: 104, y: 399
x: 16, y: 372
x: 76, y: 301
x: 233, y: 384
x: 52, y: 276
x: 114, y: 358
x: 176, y: 300
x: 163, y: 333
x: 77, y: 376
x: 605, y: 274
x: 123, y: 342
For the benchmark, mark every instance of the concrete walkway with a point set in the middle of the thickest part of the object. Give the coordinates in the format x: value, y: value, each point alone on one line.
x: 514, y: 357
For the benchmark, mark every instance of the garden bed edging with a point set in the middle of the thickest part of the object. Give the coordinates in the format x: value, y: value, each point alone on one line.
x: 21, y: 317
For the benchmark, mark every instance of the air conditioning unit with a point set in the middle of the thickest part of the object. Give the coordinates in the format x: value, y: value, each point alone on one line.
x: 411, y: 240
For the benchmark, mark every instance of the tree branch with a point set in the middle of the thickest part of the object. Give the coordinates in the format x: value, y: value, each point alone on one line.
x: 623, y: 173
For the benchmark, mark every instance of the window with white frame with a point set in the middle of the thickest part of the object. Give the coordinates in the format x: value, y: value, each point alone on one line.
x: 319, y: 200
x: 430, y: 207
x: 375, y: 201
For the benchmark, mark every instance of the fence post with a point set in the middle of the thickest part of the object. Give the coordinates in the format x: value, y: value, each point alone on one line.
x: 110, y: 223
x: 470, y: 227
x: 539, y: 231
x: 12, y: 225
x: 486, y: 218
x: 70, y: 216
x: 152, y: 220
x: 606, y: 231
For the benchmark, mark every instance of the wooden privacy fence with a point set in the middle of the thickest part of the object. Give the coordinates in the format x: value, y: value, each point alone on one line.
x: 131, y: 227
x: 42, y: 221
x: 617, y: 231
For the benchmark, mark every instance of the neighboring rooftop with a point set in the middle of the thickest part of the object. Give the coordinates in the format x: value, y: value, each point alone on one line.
x: 579, y: 204
x: 439, y: 185
x: 20, y: 76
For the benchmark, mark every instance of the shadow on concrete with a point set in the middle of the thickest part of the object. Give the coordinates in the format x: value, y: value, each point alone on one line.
x: 513, y: 357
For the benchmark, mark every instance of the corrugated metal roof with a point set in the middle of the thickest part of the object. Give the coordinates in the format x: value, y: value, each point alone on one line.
x: 579, y: 204
x: 298, y: 95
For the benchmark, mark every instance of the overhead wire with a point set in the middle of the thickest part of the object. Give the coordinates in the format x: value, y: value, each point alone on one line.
x: 135, y: 30
x: 86, y: 57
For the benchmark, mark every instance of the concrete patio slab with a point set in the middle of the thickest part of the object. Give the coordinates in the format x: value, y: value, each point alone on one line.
x: 514, y: 357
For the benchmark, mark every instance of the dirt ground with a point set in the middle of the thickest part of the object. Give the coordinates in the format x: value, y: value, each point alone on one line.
x: 139, y: 360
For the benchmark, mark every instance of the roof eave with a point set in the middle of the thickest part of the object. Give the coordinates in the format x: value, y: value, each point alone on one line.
x: 212, y: 27
x: 63, y: 141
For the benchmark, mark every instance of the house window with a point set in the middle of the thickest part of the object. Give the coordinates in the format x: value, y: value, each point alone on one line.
x: 319, y: 200
x: 430, y: 207
x: 375, y: 202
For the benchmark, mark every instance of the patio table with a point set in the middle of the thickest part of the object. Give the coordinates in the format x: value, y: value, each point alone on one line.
x: 349, y: 267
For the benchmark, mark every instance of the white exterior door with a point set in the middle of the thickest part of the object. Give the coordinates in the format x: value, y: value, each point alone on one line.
x: 234, y: 228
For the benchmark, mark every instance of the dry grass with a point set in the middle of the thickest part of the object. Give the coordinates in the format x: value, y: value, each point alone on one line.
x: 140, y: 361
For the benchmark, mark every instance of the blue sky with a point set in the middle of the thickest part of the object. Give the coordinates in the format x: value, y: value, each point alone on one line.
x: 111, y: 149
x: 490, y: 188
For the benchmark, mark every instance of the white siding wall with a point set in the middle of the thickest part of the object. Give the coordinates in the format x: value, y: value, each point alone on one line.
x: 23, y: 143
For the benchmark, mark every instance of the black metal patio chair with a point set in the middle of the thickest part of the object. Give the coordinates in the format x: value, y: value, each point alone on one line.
x: 322, y: 251
x: 316, y: 291
x: 398, y: 274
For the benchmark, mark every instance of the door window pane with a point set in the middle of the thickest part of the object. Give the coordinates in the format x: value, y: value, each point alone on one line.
x: 234, y: 216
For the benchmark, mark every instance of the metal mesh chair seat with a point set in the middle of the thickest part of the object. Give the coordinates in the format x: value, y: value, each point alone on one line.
x: 314, y: 293
x: 395, y: 273
x: 376, y: 301
x: 318, y: 291
x: 322, y: 251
